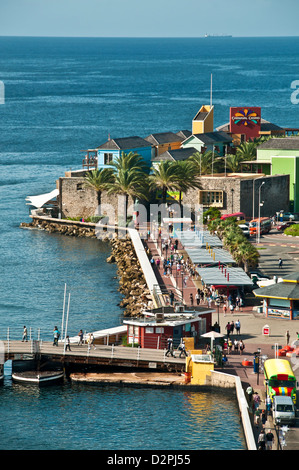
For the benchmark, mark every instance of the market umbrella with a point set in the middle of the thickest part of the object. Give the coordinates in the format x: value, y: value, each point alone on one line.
x: 213, y: 335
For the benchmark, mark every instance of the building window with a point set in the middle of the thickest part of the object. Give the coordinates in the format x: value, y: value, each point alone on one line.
x: 149, y: 329
x: 80, y: 187
x: 108, y: 158
x: 211, y: 198
x: 159, y: 330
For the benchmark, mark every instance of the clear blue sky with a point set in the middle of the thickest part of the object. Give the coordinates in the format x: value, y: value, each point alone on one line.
x: 141, y: 18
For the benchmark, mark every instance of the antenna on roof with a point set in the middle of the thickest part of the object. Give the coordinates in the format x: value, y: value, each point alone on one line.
x: 211, y: 90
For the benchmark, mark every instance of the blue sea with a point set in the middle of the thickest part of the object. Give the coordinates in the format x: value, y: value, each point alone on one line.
x: 62, y: 96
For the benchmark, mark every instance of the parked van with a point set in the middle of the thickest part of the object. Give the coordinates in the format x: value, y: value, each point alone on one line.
x: 283, y: 410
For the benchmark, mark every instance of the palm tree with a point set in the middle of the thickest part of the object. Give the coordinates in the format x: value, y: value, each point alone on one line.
x: 233, y: 162
x: 248, y: 255
x: 247, y: 151
x: 205, y: 163
x: 129, y: 182
x: 187, y: 177
x: 165, y: 177
x: 129, y: 161
x: 99, y: 180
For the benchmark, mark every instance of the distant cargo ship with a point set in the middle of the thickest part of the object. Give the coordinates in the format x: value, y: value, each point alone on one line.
x: 218, y: 35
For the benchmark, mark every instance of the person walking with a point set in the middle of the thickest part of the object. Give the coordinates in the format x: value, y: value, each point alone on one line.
x: 67, y: 344
x: 249, y: 391
x: 169, y: 347
x: 197, y: 297
x: 56, y: 336
x: 191, y: 299
x: 90, y: 341
x: 256, y: 400
x: 80, y: 341
x: 280, y: 263
x: 241, y: 346
x: 238, y: 326
x: 171, y: 297
x: 287, y: 335
x: 182, y: 348
x: 228, y: 329
x: 262, y: 440
x: 24, y: 338
x: 269, y: 439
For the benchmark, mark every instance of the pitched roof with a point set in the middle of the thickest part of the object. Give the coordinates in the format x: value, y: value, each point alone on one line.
x: 200, y: 116
x: 281, y: 143
x: 163, y: 138
x: 125, y: 143
x: 214, y: 137
x: 280, y: 290
x: 175, y: 155
x: 184, y: 134
x: 265, y: 126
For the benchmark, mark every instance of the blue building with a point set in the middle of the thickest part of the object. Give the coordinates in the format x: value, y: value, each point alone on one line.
x: 113, y: 148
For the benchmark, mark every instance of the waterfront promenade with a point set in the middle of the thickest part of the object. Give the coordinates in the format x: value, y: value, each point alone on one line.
x: 252, y: 322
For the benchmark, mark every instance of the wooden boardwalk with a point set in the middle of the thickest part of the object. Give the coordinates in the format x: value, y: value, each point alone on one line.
x: 102, y: 355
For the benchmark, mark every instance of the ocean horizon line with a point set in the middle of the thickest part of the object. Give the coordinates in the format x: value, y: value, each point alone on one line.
x: 212, y: 35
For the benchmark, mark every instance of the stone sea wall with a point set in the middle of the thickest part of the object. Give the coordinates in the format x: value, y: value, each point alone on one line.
x: 131, y: 279
x: 132, y: 284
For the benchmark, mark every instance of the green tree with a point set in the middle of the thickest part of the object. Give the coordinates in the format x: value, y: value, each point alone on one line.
x: 129, y: 183
x: 205, y: 163
x: 99, y: 180
x: 129, y: 161
x: 165, y: 177
x: 187, y: 177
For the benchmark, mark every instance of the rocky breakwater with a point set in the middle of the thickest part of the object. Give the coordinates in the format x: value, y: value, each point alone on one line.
x: 72, y: 229
x: 137, y: 296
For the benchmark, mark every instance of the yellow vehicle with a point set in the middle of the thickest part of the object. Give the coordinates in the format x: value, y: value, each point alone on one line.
x: 279, y: 378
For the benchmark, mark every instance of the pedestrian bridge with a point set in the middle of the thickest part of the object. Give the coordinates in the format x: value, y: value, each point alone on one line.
x: 101, y: 355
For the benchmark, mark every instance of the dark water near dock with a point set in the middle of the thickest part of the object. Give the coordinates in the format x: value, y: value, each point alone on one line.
x: 66, y: 95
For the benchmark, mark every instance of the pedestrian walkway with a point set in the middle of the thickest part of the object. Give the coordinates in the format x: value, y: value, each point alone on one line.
x: 178, y: 281
x: 251, y: 332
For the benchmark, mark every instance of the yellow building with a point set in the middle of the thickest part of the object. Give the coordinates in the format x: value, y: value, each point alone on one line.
x: 199, y: 367
x: 164, y: 141
x: 204, y: 120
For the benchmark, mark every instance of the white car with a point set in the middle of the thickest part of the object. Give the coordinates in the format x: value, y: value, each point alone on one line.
x: 245, y: 229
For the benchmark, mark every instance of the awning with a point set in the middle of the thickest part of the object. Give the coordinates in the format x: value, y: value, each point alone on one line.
x: 198, y: 238
x: 228, y: 277
x: 39, y: 201
x: 212, y: 256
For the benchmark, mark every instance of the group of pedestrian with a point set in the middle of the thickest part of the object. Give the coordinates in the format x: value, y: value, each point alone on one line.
x: 181, y: 348
x: 231, y: 326
x: 236, y: 346
x: 266, y: 437
x: 56, y: 336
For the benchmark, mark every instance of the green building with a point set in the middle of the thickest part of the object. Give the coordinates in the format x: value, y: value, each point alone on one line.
x: 280, y: 156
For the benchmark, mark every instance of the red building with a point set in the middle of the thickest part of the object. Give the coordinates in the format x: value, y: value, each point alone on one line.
x: 245, y: 121
x: 153, y: 330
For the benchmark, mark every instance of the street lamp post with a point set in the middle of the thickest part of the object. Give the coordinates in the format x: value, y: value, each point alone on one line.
x: 259, y: 222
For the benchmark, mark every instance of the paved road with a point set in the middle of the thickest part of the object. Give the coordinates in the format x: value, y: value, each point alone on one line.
x: 276, y: 245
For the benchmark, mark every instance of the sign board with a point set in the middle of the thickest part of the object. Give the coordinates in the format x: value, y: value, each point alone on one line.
x: 246, y: 121
x: 266, y: 330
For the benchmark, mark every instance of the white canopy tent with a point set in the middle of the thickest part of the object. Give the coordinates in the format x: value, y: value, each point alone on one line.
x: 39, y: 201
